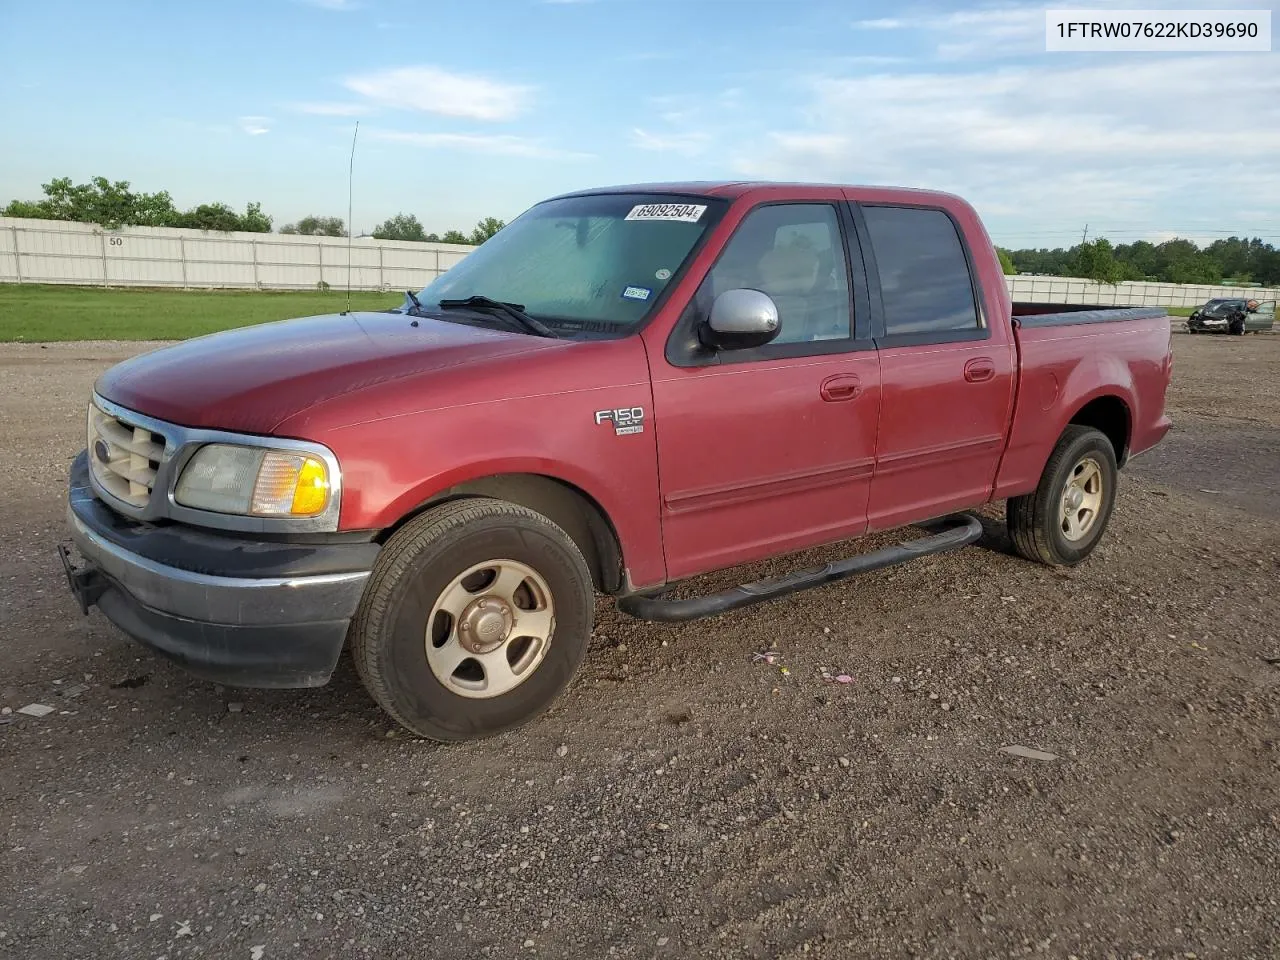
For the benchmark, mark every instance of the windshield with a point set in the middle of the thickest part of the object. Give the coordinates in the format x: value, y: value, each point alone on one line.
x: 1222, y: 304
x: 594, y: 262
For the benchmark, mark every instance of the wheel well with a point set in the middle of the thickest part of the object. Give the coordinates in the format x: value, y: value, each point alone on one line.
x: 569, y: 508
x: 1110, y: 416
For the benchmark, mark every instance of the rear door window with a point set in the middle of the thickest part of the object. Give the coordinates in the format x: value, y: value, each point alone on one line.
x: 925, y: 284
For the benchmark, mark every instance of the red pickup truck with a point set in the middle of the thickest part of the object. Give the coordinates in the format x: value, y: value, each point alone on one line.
x: 624, y: 388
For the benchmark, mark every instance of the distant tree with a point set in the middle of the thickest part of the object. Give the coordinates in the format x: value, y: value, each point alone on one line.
x: 1096, y: 261
x: 99, y: 201
x: 114, y: 204
x: 1142, y: 259
x: 25, y: 208
x: 254, y: 220
x: 403, y: 226
x: 1181, y: 261
x: 1174, y: 261
x: 432, y: 238
x: 485, y: 229
x: 313, y: 226
x: 1006, y: 262
x: 209, y: 216
x: 454, y: 236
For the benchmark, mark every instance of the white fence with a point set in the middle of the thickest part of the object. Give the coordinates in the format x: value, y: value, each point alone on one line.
x: 1129, y: 294
x: 52, y: 251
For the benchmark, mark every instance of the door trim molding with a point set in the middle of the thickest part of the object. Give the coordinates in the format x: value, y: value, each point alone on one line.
x: 709, y: 498
x: 942, y: 453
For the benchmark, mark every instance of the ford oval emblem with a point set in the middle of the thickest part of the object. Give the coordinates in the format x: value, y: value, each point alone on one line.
x: 101, y: 452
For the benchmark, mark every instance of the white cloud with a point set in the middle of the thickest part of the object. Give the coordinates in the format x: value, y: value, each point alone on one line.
x: 333, y: 109
x: 500, y: 144
x: 687, y: 124
x: 686, y: 142
x: 883, y: 23
x: 987, y: 32
x: 255, y: 126
x: 1126, y: 138
x: 433, y: 90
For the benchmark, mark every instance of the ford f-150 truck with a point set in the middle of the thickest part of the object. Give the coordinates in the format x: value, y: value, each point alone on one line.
x: 624, y: 388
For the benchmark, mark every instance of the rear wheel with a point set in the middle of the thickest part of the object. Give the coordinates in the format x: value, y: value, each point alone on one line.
x: 477, y: 615
x: 1062, y: 522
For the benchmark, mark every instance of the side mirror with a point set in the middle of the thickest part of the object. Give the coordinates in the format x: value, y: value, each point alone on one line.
x: 740, y: 320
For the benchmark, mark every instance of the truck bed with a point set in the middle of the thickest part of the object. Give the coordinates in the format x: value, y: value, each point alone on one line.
x: 1065, y: 314
x: 1123, y: 357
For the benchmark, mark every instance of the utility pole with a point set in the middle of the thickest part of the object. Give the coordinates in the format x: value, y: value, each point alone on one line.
x: 1084, y: 238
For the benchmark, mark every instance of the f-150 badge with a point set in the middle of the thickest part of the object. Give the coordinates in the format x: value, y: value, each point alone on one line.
x: 625, y: 420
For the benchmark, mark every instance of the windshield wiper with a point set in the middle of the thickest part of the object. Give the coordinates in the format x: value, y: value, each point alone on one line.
x: 513, y: 311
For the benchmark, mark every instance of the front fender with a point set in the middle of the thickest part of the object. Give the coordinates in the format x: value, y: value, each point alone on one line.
x: 392, y: 467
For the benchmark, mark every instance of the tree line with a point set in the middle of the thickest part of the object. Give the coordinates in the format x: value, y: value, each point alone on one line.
x: 1236, y: 259
x: 115, y: 204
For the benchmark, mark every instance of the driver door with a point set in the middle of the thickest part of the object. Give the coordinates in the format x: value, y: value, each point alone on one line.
x: 766, y: 450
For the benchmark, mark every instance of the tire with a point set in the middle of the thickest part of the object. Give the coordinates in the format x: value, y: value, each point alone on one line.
x: 1038, y: 523
x: 463, y: 557
x: 1237, y: 328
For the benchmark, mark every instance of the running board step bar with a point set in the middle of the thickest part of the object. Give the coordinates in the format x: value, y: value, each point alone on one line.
x: 950, y: 533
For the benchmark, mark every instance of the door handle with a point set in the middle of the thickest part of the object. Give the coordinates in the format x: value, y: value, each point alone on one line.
x: 979, y: 370
x: 842, y: 387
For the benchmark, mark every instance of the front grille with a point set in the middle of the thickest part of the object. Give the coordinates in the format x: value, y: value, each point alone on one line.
x: 124, y: 456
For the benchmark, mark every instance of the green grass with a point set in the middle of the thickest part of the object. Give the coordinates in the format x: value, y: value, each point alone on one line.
x: 1180, y: 311
x: 42, y: 313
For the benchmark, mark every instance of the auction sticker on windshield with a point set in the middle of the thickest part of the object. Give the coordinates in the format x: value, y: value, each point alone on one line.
x: 684, y: 212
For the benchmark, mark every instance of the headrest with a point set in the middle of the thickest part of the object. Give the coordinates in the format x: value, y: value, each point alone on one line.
x: 789, y: 270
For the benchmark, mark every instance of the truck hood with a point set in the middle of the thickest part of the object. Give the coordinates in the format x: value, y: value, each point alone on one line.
x: 252, y: 379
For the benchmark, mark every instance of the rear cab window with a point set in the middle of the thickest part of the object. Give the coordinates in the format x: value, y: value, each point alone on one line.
x: 924, y: 276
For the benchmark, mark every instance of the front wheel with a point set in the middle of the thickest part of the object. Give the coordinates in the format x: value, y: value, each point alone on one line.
x: 1062, y: 522
x: 477, y: 615
x: 1237, y: 327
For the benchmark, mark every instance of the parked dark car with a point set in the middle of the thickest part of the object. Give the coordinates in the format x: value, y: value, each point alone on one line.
x: 1234, y: 315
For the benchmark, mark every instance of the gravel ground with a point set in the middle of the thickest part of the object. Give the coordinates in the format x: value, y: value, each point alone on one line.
x: 684, y: 799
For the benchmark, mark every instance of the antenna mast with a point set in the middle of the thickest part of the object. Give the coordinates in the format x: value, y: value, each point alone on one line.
x: 351, y: 170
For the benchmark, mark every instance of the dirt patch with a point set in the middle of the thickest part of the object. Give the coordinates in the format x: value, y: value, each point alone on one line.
x: 707, y: 803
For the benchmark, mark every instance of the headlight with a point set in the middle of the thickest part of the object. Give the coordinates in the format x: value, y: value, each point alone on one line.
x: 251, y: 481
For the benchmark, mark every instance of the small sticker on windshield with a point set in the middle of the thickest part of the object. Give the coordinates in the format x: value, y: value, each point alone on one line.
x: 636, y: 293
x: 684, y: 212
x: 663, y: 274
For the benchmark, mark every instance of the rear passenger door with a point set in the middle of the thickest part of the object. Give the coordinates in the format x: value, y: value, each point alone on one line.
x: 946, y: 369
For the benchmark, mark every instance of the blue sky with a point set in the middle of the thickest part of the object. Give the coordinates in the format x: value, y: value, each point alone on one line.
x: 470, y: 108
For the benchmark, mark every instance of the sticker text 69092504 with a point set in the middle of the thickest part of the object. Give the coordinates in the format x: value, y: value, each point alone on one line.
x: 685, y: 212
